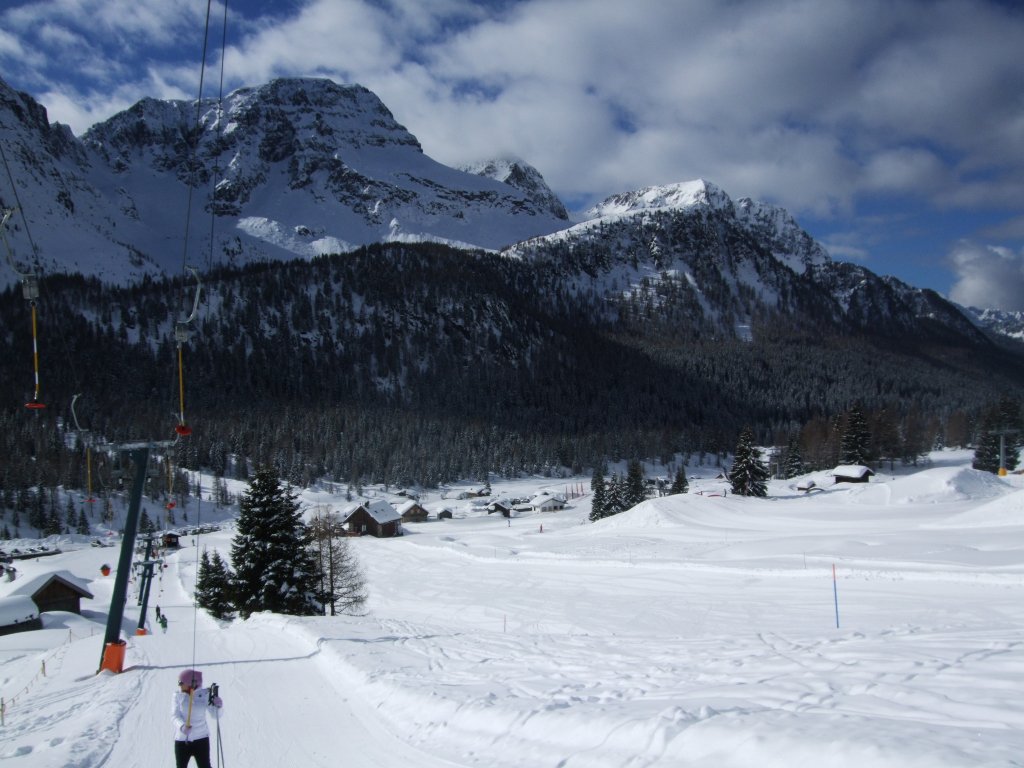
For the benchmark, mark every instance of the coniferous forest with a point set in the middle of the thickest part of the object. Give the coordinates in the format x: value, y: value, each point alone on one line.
x: 422, y: 364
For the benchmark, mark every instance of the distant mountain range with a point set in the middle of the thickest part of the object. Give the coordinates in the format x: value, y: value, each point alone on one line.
x: 302, y: 167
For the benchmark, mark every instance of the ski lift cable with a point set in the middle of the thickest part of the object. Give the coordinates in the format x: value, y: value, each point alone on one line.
x: 182, y: 327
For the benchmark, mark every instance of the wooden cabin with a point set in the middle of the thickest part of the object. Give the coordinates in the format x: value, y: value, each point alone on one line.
x: 55, y: 591
x: 372, y: 518
x: 413, y: 512
x: 852, y: 473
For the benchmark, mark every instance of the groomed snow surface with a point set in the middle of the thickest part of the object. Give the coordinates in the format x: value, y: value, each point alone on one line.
x: 696, y: 630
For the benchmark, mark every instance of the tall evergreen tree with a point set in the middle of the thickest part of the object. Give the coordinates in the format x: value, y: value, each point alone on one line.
x: 598, y: 494
x: 274, y: 570
x: 1000, y: 433
x: 616, y: 495
x: 679, y: 483
x: 793, y: 464
x: 213, y: 586
x: 634, y: 490
x: 855, y: 442
x: 748, y: 476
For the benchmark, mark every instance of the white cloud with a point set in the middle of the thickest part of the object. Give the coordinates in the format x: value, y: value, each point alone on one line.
x: 989, y: 277
x: 810, y: 105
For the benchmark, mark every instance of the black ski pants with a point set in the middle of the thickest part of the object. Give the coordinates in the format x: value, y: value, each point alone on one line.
x: 185, y: 750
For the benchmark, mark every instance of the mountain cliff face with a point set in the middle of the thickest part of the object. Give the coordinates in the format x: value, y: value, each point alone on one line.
x: 523, y: 177
x: 296, y: 167
x: 304, y: 167
x: 690, y: 257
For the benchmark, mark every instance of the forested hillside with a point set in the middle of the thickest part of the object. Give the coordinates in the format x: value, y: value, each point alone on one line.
x: 422, y: 364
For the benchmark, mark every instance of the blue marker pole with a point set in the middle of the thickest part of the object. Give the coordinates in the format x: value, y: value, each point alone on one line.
x: 835, y: 593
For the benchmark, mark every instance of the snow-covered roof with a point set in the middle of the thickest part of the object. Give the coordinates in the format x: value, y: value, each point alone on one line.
x: 406, y: 506
x: 545, y: 496
x: 851, y: 470
x: 546, y: 501
x: 378, y: 509
x: 32, y: 585
x: 17, y: 609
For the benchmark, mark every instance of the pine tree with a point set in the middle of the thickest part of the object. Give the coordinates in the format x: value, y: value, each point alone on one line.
x: 679, y: 484
x: 213, y: 586
x: 999, y: 427
x: 146, y: 523
x: 274, y: 570
x: 634, y: 490
x: 986, y: 452
x: 793, y: 466
x: 616, y: 494
x: 748, y: 475
x: 855, y: 442
x: 599, y: 494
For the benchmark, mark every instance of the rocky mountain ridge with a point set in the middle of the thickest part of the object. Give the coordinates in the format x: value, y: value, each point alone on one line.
x: 296, y: 168
x: 292, y: 168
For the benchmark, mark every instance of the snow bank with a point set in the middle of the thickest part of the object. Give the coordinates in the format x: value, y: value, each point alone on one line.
x: 933, y: 486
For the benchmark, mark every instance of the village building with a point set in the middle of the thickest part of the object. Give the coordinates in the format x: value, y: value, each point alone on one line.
x: 502, y: 506
x: 546, y: 502
x: 851, y: 473
x: 413, y: 512
x: 372, y: 518
x: 54, y: 591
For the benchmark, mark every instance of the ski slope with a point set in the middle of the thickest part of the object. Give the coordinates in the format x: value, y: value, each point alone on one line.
x: 695, y: 630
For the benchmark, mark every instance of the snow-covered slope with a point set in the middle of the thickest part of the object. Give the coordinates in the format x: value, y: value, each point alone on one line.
x: 873, y: 626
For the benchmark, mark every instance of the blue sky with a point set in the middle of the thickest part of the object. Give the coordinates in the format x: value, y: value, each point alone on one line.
x: 892, y: 129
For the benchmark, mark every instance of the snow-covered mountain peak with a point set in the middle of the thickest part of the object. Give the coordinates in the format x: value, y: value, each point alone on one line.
x: 686, y: 194
x: 522, y: 176
x: 293, y: 167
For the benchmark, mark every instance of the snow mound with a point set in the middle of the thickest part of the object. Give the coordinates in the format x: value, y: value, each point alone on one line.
x: 1003, y: 511
x: 934, y: 486
x: 688, y: 509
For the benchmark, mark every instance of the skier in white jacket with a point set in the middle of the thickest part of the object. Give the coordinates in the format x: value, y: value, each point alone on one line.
x: 188, y: 711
